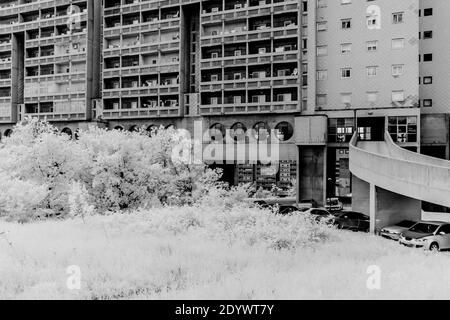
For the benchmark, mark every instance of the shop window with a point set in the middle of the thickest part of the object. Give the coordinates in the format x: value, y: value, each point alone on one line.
x: 340, y: 130
x: 403, y: 129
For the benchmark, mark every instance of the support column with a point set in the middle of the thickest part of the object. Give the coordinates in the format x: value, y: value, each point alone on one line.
x: 373, y: 207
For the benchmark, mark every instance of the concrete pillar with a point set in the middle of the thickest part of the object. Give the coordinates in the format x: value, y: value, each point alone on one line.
x: 382, y: 206
x: 373, y: 207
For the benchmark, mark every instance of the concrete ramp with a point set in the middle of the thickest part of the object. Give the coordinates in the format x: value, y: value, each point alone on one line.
x: 390, y: 183
x: 388, y: 166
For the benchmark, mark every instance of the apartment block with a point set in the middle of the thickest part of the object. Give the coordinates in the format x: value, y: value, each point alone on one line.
x: 49, y: 52
x: 314, y: 71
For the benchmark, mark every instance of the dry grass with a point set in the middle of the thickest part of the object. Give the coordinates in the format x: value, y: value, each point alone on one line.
x: 138, y: 257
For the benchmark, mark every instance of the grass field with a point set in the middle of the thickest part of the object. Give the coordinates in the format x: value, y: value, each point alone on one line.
x: 137, y: 257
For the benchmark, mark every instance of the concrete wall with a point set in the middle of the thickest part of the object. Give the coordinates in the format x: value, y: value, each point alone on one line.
x: 312, y: 173
x: 439, y: 46
x: 391, y: 207
x: 359, y: 58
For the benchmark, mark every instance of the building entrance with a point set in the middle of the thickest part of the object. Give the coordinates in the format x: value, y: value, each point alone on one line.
x: 371, y: 129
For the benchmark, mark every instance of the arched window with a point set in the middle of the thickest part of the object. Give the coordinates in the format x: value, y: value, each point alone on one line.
x: 217, y: 132
x: 119, y: 128
x: 238, y: 131
x: 152, y: 130
x: 170, y: 126
x: 8, y: 133
x: 134, y: 128
x: 284, y: 131
x: 261, y: 131
x: 67, y: 131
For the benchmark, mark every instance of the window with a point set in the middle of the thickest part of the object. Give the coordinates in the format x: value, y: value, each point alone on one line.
x: 372, y: 46
x: 217, y: 132
x: 365, y: 133
x: 427, y: 80
x: 238, y: 131
x: 398, y: 43
x: 427, y: 12
x: 397, y: 17
x: 322, y: 26
x: 322, y: 75
x: 340, y: 130
x: 261, y: 131
x: 346, y: 23
x: 428, y: 57
x: 427, y: 103
x: 372, y: 96
x: 397, y: 70
x: 372, y: 71
x: 346, y: 98
x: 346, y: 48
x: 284, y: 131
x: 321, y: 100
x: 403, y: 129
x: 346, y: 73
x: 428, y: 34
x: 321, y: 3
x: 322, y: 51
x: 398, y: 96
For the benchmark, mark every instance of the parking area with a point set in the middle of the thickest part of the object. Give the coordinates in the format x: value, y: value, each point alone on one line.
x: 432, y: 232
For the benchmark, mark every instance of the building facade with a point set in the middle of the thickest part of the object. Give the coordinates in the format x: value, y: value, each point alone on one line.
x: 309, y: 71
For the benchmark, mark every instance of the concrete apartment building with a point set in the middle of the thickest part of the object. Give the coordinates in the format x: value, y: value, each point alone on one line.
x: 314, y: 70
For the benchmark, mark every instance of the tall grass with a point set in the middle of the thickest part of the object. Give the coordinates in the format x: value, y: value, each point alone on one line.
x: 195, y: 253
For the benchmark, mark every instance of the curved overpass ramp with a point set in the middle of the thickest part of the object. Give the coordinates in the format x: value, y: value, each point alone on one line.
x: 390, y: 182
x: 386, y: 165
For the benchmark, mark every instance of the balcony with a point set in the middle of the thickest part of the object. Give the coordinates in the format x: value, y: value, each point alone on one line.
x: 253, y: 59
x: 250, y: 108
x: 256, y: 11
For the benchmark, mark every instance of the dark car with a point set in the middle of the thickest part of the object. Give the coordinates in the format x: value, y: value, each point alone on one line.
x: 307, y: 204
x: 333, y: 204
x: 352, y: 220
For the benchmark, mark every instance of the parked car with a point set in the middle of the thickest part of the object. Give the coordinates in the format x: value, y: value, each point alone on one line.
x: 352, y: 220
x: 432, y: 235
x: 307, y: 204
x: 333, y: 204
x: 320, y: 214
x: 394, y: 231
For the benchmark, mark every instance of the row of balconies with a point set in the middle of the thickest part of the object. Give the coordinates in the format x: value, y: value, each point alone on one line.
x: 5, y: 82
x: 141, y: 27
x: 141, y: 70
x: 57, y: 39
x: 143, y: 49
x: 17, y: 26
x: 248, y: 36
x: 267, y: 9
x: 251, y: 84
x: 58, y: 77
x: 55, y: 59
x: 222, y: 62
x: 144, y: 5
x: 245, y: 108
x: 114, y: 93
x: 32, y: 6
x: 142, y: 113
x: 54, y: 96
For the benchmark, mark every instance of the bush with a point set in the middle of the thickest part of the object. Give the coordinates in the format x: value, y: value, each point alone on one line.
x: 109, y: 170
x: 20, y: 200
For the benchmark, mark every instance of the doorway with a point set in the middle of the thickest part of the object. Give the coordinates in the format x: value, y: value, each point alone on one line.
x: 371, y: 129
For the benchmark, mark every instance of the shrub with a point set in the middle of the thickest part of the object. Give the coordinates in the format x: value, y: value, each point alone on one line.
x: 109, y: 170
x: 20, y: 199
